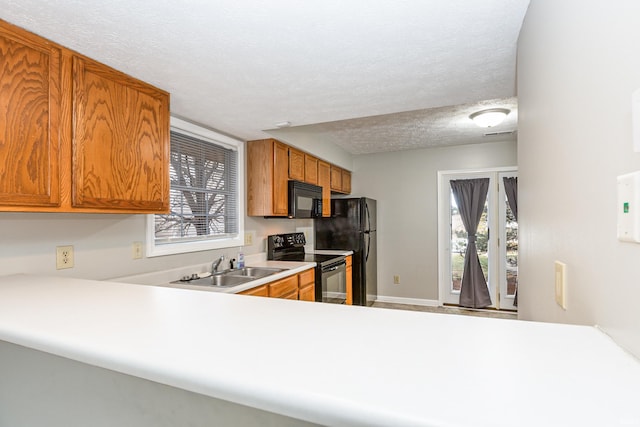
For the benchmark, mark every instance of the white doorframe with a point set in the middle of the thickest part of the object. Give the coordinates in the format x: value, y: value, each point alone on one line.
x: 496, y: 266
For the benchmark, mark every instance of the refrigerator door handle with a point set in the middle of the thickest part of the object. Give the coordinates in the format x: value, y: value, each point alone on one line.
x: 368, y: 227
x: 366, y: 257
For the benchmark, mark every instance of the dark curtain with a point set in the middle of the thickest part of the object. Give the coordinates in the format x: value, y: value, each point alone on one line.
x: 470, y: 195
x: 511, y: 189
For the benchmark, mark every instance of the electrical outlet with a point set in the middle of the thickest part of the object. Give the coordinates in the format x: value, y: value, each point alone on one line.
x: 396, y: 280
x: 64, y: 257
x: 136, y: 250
x: 248, y: 238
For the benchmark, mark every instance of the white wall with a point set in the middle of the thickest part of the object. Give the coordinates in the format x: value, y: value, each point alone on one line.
x: 405, y: 185
x: 578, y: 63
x: 314, y: 144
x: 103, y: 244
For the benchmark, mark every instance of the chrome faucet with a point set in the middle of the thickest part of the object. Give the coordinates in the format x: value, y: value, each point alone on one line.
x: 216, y: 264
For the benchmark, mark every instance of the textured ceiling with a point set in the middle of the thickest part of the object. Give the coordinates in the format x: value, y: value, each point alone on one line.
x: 242, y: 66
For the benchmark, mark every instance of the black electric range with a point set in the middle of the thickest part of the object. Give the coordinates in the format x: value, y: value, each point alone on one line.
x: 330, y: 272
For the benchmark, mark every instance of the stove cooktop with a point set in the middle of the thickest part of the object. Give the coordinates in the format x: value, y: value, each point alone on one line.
x: 319, y: 259
x: 290, y: 247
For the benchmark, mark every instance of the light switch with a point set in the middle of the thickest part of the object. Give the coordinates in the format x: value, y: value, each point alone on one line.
x: 561, y: 283
x: 628, y: 208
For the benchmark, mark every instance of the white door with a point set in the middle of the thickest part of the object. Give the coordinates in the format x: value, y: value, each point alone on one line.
x: 496, y: 240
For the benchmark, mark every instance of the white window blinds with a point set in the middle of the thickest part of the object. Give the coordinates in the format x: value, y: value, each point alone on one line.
x: 204, y: 192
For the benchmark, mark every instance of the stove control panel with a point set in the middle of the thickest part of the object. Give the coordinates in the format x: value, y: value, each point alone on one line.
x: 284, y: 242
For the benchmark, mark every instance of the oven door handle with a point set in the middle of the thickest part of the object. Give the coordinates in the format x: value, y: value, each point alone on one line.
x: 334, y: 267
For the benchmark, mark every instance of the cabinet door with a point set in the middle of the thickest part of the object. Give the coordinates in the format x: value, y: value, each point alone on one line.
x: 349, y: 281
x: 296, y: 164
x: 280, y: 179
x: 308, y: 293
x: 259, y: 291
x: 284, y: 287
x: 30, y: 116
x: 324, y: 181
x: 120, y: 140
x: 310, y: 169
x: 346, y: 181
x: 336, y: 178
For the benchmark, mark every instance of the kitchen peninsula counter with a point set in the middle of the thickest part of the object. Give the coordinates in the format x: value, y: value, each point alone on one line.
x: 309, y: 363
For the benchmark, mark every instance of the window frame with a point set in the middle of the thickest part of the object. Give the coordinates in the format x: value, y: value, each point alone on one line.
x: 190, y: 129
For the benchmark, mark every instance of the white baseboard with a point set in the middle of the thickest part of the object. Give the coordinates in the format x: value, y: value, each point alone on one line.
x: 409, y: 301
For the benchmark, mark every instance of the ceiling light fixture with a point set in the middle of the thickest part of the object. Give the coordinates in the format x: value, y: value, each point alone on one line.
x: 283, y: 124
x: 489, y: 118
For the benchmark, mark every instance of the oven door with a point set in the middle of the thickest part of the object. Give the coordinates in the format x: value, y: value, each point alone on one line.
x: 334, y: 282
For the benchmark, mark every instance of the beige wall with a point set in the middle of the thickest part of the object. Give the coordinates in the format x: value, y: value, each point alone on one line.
x: 102, y: 244
x: 578, y: 64
x: 314, y: 144
x: 405, y: 185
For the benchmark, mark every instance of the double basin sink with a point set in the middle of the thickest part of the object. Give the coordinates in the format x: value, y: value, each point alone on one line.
x: 232, y: 277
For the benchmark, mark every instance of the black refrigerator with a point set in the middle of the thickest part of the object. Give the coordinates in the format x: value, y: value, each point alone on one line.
x: 352, y: 226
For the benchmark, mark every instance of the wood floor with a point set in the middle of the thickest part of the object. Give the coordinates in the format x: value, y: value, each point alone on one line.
x: 449, y: 310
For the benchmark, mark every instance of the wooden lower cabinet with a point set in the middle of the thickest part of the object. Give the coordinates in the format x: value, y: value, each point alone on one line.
x: 259, y: 291
x: 349, y: 281
x: 283, y: 288
x: 307, y: 285
x: 298, y: 287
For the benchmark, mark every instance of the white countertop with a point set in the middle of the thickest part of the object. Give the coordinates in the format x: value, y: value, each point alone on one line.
x: 331, y: 364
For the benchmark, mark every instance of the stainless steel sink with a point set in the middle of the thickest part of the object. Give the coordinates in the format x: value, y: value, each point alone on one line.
x: 234, y: 277
x: 255, y: 272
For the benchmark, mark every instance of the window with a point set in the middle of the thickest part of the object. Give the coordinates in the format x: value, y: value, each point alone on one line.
x: 206, y: 195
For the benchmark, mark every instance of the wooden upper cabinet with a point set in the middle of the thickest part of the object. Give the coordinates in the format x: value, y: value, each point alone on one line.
x: 267, y: 178
x: 324, y: 181
x: 120, y: 140
x: 340, y: 180
x: 310, y: 169
x: 280, y: 180
x: 76, y: 135
x: 271, y: 164
x: 30, y: 99
x: 296, y: 164
x: 336, y: 178
x: 346, y: 181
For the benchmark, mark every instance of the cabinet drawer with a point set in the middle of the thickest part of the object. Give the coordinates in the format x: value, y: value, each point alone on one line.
x: 291, y: 295
x: 307, y: 293
x: 259, y: 291
x: 306, y: 277
x: 283, y: 287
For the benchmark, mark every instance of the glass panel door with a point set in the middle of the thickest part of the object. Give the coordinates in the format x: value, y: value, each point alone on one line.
x: 497, y: 241
x: 508, y: 248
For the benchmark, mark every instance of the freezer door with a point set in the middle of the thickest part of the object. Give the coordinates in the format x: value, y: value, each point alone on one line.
x: 343, y: 229
x: 370, y: 217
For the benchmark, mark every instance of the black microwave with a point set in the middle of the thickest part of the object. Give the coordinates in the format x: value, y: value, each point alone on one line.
x: 305, y: 200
